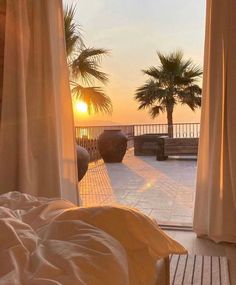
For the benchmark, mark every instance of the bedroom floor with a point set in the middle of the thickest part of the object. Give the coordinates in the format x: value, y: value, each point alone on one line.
x: 162, y: 189
x: 205, y: 247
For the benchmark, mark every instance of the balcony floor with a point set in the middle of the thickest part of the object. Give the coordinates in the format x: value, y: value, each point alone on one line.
x: 164, y: 190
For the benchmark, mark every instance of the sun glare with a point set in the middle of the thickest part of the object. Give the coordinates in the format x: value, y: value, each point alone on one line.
x: 81, y: 107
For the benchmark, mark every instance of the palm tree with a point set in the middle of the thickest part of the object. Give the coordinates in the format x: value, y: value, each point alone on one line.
x: 84, y: 67
x: 174, y: 81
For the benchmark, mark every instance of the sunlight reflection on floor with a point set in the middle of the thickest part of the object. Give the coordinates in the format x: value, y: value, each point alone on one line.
x: 164, y: 190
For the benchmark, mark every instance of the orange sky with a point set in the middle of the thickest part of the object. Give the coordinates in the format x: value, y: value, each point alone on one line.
x: 133, y: 30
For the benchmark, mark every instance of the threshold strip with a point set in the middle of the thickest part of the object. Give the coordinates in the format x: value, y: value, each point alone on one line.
x: 186, y: 228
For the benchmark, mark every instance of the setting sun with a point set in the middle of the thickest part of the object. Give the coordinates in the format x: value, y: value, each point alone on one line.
x: 81, y: 107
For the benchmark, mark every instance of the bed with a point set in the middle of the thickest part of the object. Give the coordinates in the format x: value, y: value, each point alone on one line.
x: 53, y: 242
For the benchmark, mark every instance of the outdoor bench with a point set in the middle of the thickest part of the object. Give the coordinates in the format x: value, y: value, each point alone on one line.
x: 178, y: 147
x: 147, y: 144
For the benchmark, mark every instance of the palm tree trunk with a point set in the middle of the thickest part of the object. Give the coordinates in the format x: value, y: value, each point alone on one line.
x: 2, y: 42
x: 170, y: 120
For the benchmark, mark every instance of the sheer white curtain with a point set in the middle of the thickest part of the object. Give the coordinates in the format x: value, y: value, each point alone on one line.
x: 215, y: 207
x: 37, y: 148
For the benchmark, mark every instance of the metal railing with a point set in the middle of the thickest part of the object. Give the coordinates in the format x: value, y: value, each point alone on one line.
x: 87, y: 136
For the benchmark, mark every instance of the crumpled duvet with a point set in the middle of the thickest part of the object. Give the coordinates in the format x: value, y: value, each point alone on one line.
x: 51, y: 241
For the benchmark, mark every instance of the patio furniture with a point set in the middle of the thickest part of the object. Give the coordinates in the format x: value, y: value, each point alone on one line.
x: 179, y: 147
x: 147, y: 144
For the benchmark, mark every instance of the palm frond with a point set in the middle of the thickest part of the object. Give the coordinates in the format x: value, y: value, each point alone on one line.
x: 95, y: 53
x: 185, y: 64
x: 191, y: 96
x: 73, y: 35
x: 84, y: 66
x: 194, y: 72
x: 153, y: 72
x: 87, y: 65
x: 96, y: 100
x: 171, y: 63
x: 156, y: 110
x: 148, y: 94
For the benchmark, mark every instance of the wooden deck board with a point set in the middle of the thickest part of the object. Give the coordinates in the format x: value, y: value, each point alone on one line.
x: 199, y: 270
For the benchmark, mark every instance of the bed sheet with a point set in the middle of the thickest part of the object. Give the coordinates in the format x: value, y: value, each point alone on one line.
x: 52, y: 241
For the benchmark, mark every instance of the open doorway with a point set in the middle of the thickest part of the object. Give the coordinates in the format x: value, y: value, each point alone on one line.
x: 133, y: 32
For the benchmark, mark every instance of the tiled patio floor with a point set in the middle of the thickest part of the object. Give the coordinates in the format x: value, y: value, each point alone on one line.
x: 162, y: 189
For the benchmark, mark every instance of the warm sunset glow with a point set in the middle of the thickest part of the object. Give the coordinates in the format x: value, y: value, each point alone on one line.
x: 125, y: 62
x: 81, y: 107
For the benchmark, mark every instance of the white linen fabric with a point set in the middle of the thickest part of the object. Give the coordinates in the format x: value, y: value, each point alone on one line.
x: 37, y: 147
x: 215, y: 206
x: 49, y: 241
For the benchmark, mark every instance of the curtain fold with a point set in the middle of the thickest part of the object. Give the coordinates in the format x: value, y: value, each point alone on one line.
x: 215, y: 204
x: 2, y: 41
x: 37, y: 145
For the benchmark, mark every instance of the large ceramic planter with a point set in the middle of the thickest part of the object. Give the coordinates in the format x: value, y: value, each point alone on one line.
x: 82, y: 161
x: 112, y: 145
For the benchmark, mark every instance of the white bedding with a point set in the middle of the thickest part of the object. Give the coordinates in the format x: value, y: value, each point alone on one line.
x: 50, y: 241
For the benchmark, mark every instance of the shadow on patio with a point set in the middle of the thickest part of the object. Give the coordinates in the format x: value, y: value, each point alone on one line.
x: 164, y: 190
